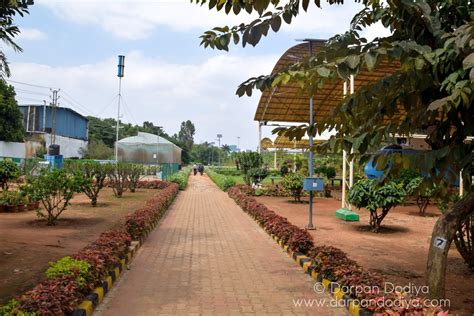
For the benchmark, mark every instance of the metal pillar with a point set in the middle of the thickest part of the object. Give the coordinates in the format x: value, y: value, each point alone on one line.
x: 310, y: 219
x: 260, y: 137
x: 345, y: 162
x: 275, y: 159
x: 118, y: 120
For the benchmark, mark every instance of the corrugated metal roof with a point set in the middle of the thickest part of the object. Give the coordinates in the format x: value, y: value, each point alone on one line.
x: 287, y: 103
x: 58, y: 107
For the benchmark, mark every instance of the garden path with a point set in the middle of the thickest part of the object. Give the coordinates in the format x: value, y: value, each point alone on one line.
x: 207, y: 257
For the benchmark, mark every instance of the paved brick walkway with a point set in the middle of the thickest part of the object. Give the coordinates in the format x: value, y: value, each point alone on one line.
x: 208, y: 257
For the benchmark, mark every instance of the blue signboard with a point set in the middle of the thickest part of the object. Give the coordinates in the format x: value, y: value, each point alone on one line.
x: 313, y: 184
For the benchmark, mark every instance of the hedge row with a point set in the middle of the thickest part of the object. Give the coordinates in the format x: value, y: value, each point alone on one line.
x: 181, y: 177
x: 222, y: 181
x: 329, y: 262
x: 67, y: 284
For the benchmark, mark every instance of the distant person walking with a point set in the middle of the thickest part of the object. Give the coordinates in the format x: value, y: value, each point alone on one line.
x: 201, y: 169
x: 195, y: 169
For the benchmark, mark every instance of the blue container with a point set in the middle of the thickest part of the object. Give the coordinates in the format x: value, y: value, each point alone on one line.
x: 313, y: 184
x: 54, y: 161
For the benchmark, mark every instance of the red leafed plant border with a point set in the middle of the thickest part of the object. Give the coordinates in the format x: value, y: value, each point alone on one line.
x: 331, y: 263
x: 60, y: 295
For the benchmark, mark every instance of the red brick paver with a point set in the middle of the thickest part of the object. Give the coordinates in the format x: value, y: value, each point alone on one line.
x: 208, y: 257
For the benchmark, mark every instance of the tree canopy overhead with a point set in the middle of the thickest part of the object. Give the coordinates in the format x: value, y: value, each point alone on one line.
x: 8, y: 30
x: 432, y: 89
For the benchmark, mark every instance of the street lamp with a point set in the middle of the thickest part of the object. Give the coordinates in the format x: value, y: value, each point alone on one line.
x: 219, y: 136
x: 211, y: 154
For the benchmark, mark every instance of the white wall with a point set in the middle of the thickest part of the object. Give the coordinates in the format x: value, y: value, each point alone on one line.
x: 69, y: 147
x: 12, y: 150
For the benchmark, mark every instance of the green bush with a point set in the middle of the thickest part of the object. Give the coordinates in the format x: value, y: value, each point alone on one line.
x: 67, y: 266
x: 249, y: 160
x: 13, y: 308
x: 222, y: 181
x: 293, y: 182
x: 92, y: 177
x: 181, y: 177
x: 9, y: 171
x: 257, y: 174
x: 54, y: 189
x: 380, y: 198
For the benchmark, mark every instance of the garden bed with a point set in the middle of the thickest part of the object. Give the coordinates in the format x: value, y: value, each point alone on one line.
x: 27, y: 244
x: 398, y: 252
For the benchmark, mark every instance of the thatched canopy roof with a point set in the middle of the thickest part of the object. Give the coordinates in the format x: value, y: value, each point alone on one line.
x: 288, y: 104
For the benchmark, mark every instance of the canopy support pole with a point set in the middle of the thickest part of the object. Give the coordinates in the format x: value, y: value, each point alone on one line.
x: 310, y: 220
x: 347, y: 184
x: 275, y: 159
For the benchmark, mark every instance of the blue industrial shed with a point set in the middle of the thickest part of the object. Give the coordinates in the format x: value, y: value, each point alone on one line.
x: 67, y: 122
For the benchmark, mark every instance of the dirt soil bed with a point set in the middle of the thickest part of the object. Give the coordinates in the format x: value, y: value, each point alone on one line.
x: 399, y: 251
x: 27, y: 244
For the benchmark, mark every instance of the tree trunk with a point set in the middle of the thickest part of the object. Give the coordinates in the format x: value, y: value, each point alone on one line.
x: 441, y: 239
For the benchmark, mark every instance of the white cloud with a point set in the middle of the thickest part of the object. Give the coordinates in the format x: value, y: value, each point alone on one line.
x: 139, y: 19
x: 31, y: 34
x: 162, y: 92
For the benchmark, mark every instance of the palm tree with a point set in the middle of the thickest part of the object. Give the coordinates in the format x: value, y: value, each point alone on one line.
x: 226, y: 149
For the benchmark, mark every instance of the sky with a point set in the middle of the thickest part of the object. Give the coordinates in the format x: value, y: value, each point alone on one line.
x: 73, y: 45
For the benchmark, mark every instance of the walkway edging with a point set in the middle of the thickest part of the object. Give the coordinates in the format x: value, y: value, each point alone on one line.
x: 90, y: 303
x: 332, y: 288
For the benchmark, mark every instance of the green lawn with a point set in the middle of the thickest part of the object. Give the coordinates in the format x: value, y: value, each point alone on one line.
x: 267, y: 180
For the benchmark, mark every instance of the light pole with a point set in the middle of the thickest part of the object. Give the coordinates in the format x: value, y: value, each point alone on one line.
x: 219, y: 136
x: 238, y: 143
x: 212, y: 152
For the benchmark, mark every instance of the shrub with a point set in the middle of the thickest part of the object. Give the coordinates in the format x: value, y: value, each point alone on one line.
x: 376, y: 197
x: 9, y: 171
x: 70, y: 279
x: 69, y: 266
x: 118, y: 177
x: 330, y: 262
x: 154, y: 184
x: 58, y: 296
x: 54, y: 189
x: 293, y: 182
x: 141, y: 221
x: 181, y: 177
x: 297, y: 239
x: 222, y: 181
x: 93, y: 176
x: 271, y: 190
x: 249, y: 160
x: 257, y: 174
x: 134, y: 176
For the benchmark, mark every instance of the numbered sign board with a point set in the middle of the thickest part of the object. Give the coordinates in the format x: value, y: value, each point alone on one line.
x: 313, y: 184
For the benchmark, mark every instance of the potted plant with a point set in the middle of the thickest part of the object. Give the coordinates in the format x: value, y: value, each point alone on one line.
x: 21, y: 202
x: 3, y: 202
x: 32, y: 197
x: 11, y: 202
